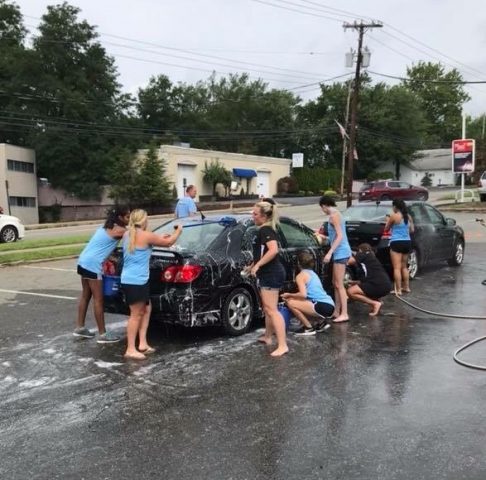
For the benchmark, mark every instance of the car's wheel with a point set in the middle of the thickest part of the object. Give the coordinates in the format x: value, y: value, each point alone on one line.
x: 8, y: 234
x: 457, y: 254
x: 422, y: 196
x: 385, y: 198
x: 413, y: 263
x: 237, y: 312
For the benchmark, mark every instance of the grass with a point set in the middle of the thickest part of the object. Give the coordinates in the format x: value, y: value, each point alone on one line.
x: 452, y: 195
x: 41, y: 254
x: 54, y: 242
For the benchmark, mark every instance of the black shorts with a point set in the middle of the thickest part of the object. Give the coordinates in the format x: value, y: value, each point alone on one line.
x: 323, y: 309
x: 88, y: 274
x: 136, y: 293
x: 272, y: 279
x: 401, y: 246
x: 376, y: 291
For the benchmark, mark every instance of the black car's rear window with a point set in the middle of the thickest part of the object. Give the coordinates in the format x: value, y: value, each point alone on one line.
x: 195, y: 236
x: 369, y: 213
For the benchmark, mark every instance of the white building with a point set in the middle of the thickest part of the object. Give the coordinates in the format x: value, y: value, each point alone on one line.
x: 18, y: 183
x: 436, y: 163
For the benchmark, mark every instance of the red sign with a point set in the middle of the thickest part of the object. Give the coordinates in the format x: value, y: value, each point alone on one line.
x: 463, y: 155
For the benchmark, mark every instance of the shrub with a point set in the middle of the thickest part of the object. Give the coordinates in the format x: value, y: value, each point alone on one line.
x: 330, y: 193
x: 287, y: 185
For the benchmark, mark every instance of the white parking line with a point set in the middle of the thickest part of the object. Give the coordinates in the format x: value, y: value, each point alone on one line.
x: 37, y: 294
x: 50, y: 268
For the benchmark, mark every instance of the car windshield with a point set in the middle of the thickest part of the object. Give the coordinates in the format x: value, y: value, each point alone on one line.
x: 195, y: 236
x: 370, y: 213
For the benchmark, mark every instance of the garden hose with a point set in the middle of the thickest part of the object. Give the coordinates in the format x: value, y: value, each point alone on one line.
x: 449, y: 315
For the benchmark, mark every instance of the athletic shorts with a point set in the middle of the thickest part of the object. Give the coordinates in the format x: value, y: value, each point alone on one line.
x: 88, y: 274
x: 271, y: 280
x: 136, y: 293
x: 401, y: 246
x: 341, y: 261
x: 375, y: 291
x: 323, y: 309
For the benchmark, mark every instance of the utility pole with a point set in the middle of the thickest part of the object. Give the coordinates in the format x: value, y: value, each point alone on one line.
x: 361, y: 27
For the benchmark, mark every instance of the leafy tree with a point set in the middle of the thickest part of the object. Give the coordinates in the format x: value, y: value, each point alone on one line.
x: 215, y: 173
x: 442, y: 96
x: 426, y: 181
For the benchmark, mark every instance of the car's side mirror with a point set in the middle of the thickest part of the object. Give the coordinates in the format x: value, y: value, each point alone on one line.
x: 450, y: 221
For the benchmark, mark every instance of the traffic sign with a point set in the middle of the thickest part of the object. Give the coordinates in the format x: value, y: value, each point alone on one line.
x: 297, y: 160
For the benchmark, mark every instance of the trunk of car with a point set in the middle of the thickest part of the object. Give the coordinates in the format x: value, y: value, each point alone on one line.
x: 364, y: 232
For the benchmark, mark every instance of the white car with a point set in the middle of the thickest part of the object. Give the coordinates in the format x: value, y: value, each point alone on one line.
x: 11, y: 229
x: 482, y: 187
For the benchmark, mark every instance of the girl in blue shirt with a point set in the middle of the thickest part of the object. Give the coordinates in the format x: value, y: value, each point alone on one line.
x: 137, y: 248
x: 90, y: 262
x: 340, y: 252
x: 401, y: 226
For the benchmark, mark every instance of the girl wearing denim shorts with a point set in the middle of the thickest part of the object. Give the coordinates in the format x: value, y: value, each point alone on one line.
x: 270, y: 273
x: 340, y: 252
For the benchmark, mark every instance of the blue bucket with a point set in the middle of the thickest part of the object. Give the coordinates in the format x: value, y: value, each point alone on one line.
x: 286, y: 314
x: 111, y: 285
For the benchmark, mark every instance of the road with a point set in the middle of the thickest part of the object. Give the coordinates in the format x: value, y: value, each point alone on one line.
x: 372, y: 399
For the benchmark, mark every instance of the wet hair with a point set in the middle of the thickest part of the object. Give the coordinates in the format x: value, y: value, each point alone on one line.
x: 327, y: 201
x: 137, y: 220
x: 365, y: 248
x: 306, y: 259
x: 114, y: 214
x: 270, y: 211
x: 402, y: 208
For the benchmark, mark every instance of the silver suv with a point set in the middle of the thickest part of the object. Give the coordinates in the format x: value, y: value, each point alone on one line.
x: 482, y: 187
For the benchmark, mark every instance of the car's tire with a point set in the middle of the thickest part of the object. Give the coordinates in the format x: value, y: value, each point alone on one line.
x: 8, y: 234
x: 385, y: 198
x: 422, y: 197
x: 457, y: 254
x: 413, y: 263
x: 237, y: 312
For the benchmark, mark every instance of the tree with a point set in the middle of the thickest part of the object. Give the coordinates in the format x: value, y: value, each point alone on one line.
x: 426, y: 180
x: 442, y: 96
x: 215, y: 173
x: 74, y: 105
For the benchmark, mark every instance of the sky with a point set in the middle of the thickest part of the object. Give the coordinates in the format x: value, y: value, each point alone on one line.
x: 291, y: 44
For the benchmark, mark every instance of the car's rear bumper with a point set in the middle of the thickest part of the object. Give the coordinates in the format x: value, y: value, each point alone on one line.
x: 178, y: 310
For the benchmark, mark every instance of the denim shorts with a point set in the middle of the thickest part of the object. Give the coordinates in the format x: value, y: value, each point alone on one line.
x: 271, y: 280
x: 341, y: 261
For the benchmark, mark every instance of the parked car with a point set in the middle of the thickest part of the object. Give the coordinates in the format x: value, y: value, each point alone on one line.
x: 11, y: 228
x: 482, y: 187
x: 391, y: 190
x: 198, y: 281
x: 436, y: 238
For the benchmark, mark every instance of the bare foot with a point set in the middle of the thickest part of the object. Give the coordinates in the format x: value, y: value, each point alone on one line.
x: 265, y: 340
x: 135, y: 355
x: 280, y: 351
x: 341, y: 319
x: 147, y: 350
x: 376, y: 309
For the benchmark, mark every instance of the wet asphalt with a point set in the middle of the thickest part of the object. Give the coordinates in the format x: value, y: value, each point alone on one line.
x: 371, y: 399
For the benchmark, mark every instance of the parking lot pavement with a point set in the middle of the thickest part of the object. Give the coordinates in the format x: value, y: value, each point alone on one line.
x: 376, y: 398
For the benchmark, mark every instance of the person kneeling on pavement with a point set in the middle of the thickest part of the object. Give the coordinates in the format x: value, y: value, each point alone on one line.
x: 311, y: 300
x: 373, y: 284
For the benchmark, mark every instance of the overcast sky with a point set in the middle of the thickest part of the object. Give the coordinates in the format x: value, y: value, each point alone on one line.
x: 288, y: 43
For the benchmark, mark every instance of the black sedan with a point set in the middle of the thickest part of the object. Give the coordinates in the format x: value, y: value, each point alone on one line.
x: 436, y: 238
x: 198, y: 281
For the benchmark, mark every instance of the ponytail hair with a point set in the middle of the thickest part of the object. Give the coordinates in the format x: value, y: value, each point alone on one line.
x: 270, y: 211
x: 402, y: 208
x: 114, y: 214
x: 138, y: 219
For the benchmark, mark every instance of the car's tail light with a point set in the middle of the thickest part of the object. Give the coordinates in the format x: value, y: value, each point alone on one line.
x: 386, y: 234
x: 181, y: 273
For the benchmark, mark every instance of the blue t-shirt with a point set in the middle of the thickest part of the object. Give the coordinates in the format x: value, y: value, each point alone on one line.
x: 97, y: 251
x: 185, y: 207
